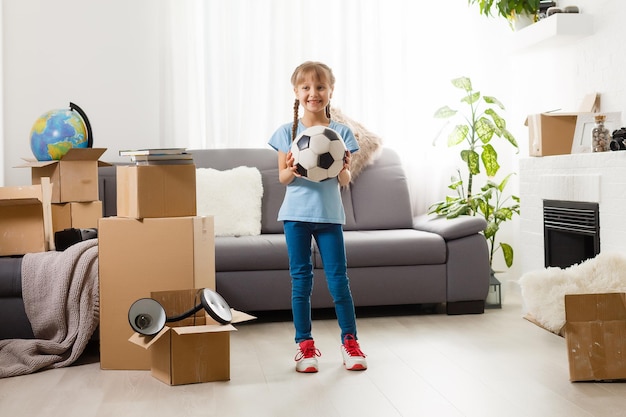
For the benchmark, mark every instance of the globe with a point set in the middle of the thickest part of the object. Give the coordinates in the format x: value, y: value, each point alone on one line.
x: 57, y: 131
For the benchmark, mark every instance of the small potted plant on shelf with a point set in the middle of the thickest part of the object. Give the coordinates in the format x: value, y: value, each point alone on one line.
x: 518, y: 13
x: 479, y: 126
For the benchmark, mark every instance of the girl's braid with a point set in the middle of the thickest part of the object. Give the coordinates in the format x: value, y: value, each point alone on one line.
x: 294, y: 127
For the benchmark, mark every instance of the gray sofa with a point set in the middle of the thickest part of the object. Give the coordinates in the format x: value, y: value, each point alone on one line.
x: 393, y: 258
x: 14, y: 323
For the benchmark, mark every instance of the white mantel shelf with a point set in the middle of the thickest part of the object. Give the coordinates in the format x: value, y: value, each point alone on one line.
x: 553, y: 31
x: 588, y: 177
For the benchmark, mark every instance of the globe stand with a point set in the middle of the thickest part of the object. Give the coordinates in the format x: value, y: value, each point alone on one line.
x: 80, y: 111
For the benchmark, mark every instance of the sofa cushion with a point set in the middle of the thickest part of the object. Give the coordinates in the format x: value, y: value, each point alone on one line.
x: 233, y: 197
x: 251, y: 253
x: 379, y: 198
x: 391, y: 248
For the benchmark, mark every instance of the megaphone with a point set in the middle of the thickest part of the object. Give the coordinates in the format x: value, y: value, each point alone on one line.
x: 147, y: 316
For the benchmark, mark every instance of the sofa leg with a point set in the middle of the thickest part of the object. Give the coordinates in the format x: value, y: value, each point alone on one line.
x: 466, y: 307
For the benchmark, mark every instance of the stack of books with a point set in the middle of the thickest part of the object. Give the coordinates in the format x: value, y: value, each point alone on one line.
x: 159, y: 156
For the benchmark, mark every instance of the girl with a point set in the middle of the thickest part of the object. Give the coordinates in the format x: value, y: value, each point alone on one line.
x: 315, y: 210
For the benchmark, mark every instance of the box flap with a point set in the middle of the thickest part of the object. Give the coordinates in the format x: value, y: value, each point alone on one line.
x: 240, y: 316
x: 74, y: 154
x: 590, y: 103
x: 19, y: 201
x: 21, y: 192
x: 207, y: 328
x: 33, y: 163
x: 83, y: 154
x: 147, y: 341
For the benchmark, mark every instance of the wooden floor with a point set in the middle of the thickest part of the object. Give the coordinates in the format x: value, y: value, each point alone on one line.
x: 494, y: 364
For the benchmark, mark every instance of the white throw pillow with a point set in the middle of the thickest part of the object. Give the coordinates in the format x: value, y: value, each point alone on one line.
x: 233, y: 197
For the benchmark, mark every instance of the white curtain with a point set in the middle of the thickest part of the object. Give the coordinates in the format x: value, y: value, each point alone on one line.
x: 227, y: 66
x: 2, y: 95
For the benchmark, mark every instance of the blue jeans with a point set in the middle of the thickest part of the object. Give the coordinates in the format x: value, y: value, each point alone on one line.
x: 329, y: 238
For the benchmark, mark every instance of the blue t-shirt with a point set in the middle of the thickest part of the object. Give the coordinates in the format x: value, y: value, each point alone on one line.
x: 308, y: 201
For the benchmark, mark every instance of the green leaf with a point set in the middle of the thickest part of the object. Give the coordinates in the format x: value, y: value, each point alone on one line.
x: 493, y: 100
x: 463, y: 83
x: 491, y: 230
x: 472, y: 159
x: 458, y: 135
x: 445, y: 112
x: 489, y: 157
x: 471, y: 98
x: 503, y: 214
x: 455, y: 185
x: 484, y: 129
x: 504, y: 182
x: 507, y: 251
x: 458, y: 211
x: 499, y: 121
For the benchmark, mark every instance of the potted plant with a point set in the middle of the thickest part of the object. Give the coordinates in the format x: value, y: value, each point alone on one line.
x: 512, y: 10
x: 478, y: 127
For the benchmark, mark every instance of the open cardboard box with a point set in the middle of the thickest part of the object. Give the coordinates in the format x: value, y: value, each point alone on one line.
x: 25, y: 219
x: 75, y: 175
x: 196, y: 349
x: 595, y: 331
x: 552, y: 133
x: 138, y: 257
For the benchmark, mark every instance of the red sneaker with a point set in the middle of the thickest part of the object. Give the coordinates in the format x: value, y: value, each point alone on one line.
x: 353, y: 357
x: 306, y: 358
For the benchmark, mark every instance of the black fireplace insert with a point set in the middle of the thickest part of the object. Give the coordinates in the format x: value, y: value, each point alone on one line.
x: 571, y: 232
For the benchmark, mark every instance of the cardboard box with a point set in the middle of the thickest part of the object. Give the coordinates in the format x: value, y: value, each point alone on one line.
x: 552, y: 133
x: 75, y: 176
x: 77, y: 215
x: 595, y: 331
x: 192, y: 351
x: 145, y: 191
x: 138, y: 257
x: 25, y: 224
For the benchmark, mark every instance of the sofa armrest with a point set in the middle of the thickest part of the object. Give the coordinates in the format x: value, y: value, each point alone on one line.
x: 450, y: 229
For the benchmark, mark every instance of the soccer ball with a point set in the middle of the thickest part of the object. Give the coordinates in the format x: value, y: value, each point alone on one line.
x: 318, y: 153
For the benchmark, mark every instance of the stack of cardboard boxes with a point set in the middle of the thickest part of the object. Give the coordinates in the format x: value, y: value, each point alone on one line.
x: 63, y: 194
x: 155, y: 244
x: 74, y: 178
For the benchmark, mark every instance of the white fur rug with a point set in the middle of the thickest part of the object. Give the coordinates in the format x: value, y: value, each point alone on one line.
x: 544, y: 291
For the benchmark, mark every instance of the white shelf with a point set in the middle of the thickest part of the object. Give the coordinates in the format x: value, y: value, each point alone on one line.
x: 556, y: 30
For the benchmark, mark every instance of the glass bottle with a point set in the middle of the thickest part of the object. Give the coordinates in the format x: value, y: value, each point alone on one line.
x: 600, y: 135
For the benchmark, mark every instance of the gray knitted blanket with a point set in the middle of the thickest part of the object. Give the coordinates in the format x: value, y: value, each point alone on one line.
x: 60, y: 292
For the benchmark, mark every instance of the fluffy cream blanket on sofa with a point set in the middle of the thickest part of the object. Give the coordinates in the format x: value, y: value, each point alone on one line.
x: 544, y: 291
x: 370, y: 143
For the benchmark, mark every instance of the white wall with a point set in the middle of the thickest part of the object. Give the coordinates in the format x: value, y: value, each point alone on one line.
x: 101, y: 55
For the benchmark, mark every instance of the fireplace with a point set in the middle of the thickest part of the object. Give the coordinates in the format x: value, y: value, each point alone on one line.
x: 571, y: 232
